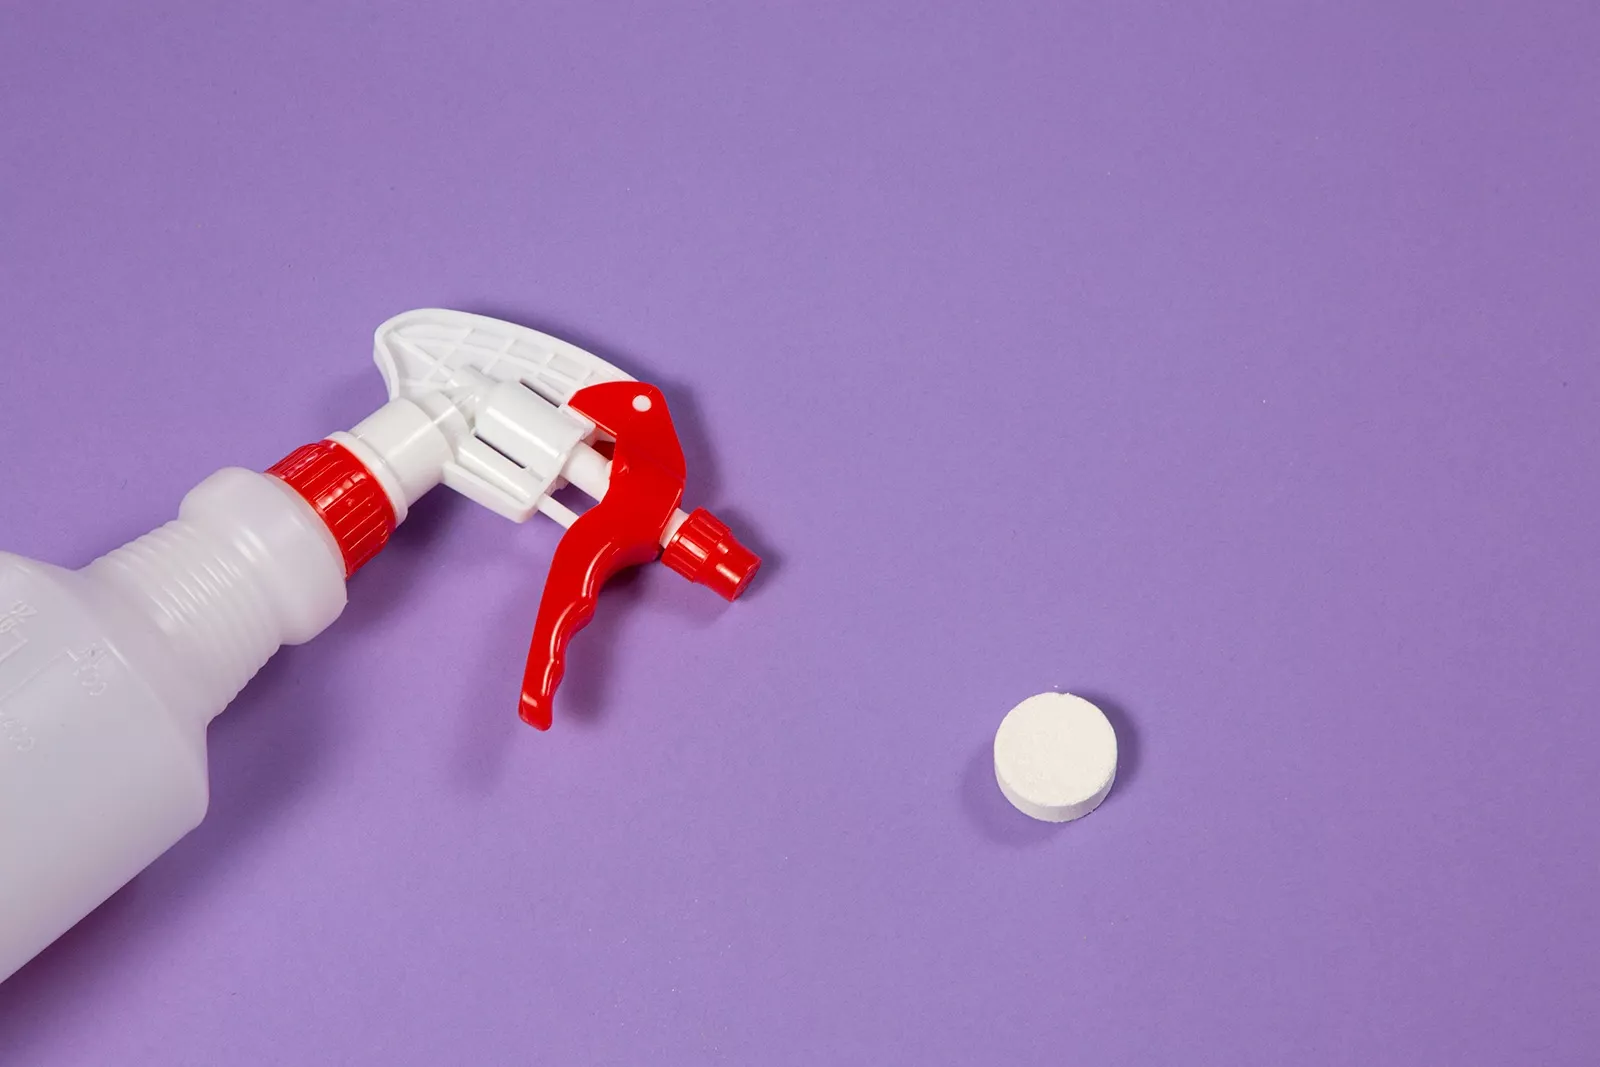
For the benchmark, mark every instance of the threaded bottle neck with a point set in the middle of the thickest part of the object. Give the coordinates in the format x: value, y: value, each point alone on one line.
x: 205, y: 599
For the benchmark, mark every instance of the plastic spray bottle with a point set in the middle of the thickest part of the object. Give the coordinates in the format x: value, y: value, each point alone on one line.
x: 109, y: 675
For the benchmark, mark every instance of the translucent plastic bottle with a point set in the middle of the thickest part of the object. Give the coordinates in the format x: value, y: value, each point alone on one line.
x: 109, y: 676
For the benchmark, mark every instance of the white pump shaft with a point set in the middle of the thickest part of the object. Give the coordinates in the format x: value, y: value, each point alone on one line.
x: 591, y: 472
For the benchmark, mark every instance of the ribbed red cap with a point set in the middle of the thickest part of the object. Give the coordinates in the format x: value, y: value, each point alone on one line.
x: 704, y: 550
x: 341, y: 489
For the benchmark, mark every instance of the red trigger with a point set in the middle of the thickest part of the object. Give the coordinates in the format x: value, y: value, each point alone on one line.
x: 623, y: 530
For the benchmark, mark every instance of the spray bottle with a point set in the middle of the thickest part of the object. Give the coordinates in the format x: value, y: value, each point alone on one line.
x: 109, y: 675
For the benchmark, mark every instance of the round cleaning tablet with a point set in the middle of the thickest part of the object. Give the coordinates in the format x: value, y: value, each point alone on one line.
x: 1055, y: 756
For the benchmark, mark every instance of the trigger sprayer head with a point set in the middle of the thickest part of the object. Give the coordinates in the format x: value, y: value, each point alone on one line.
x: 507, y: 416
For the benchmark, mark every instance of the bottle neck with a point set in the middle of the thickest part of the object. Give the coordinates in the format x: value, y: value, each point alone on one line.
x: 246, y: 567
x: 219, y: 629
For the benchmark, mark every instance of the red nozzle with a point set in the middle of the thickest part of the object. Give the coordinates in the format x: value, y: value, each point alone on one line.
x: 705, y: 551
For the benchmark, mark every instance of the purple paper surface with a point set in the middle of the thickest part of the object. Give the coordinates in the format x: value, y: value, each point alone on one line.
x: 1232, y: 364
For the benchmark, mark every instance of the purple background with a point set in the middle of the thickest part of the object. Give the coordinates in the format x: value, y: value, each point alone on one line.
x: 1231, y: 365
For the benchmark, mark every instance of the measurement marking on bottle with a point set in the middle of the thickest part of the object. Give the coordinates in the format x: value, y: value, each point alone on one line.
x: 15, y: 734
x: 86, y: 669
x: 12, y: 636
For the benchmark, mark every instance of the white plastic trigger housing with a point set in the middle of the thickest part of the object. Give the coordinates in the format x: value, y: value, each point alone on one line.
x: 480, y: 405
x: 423, y: 351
